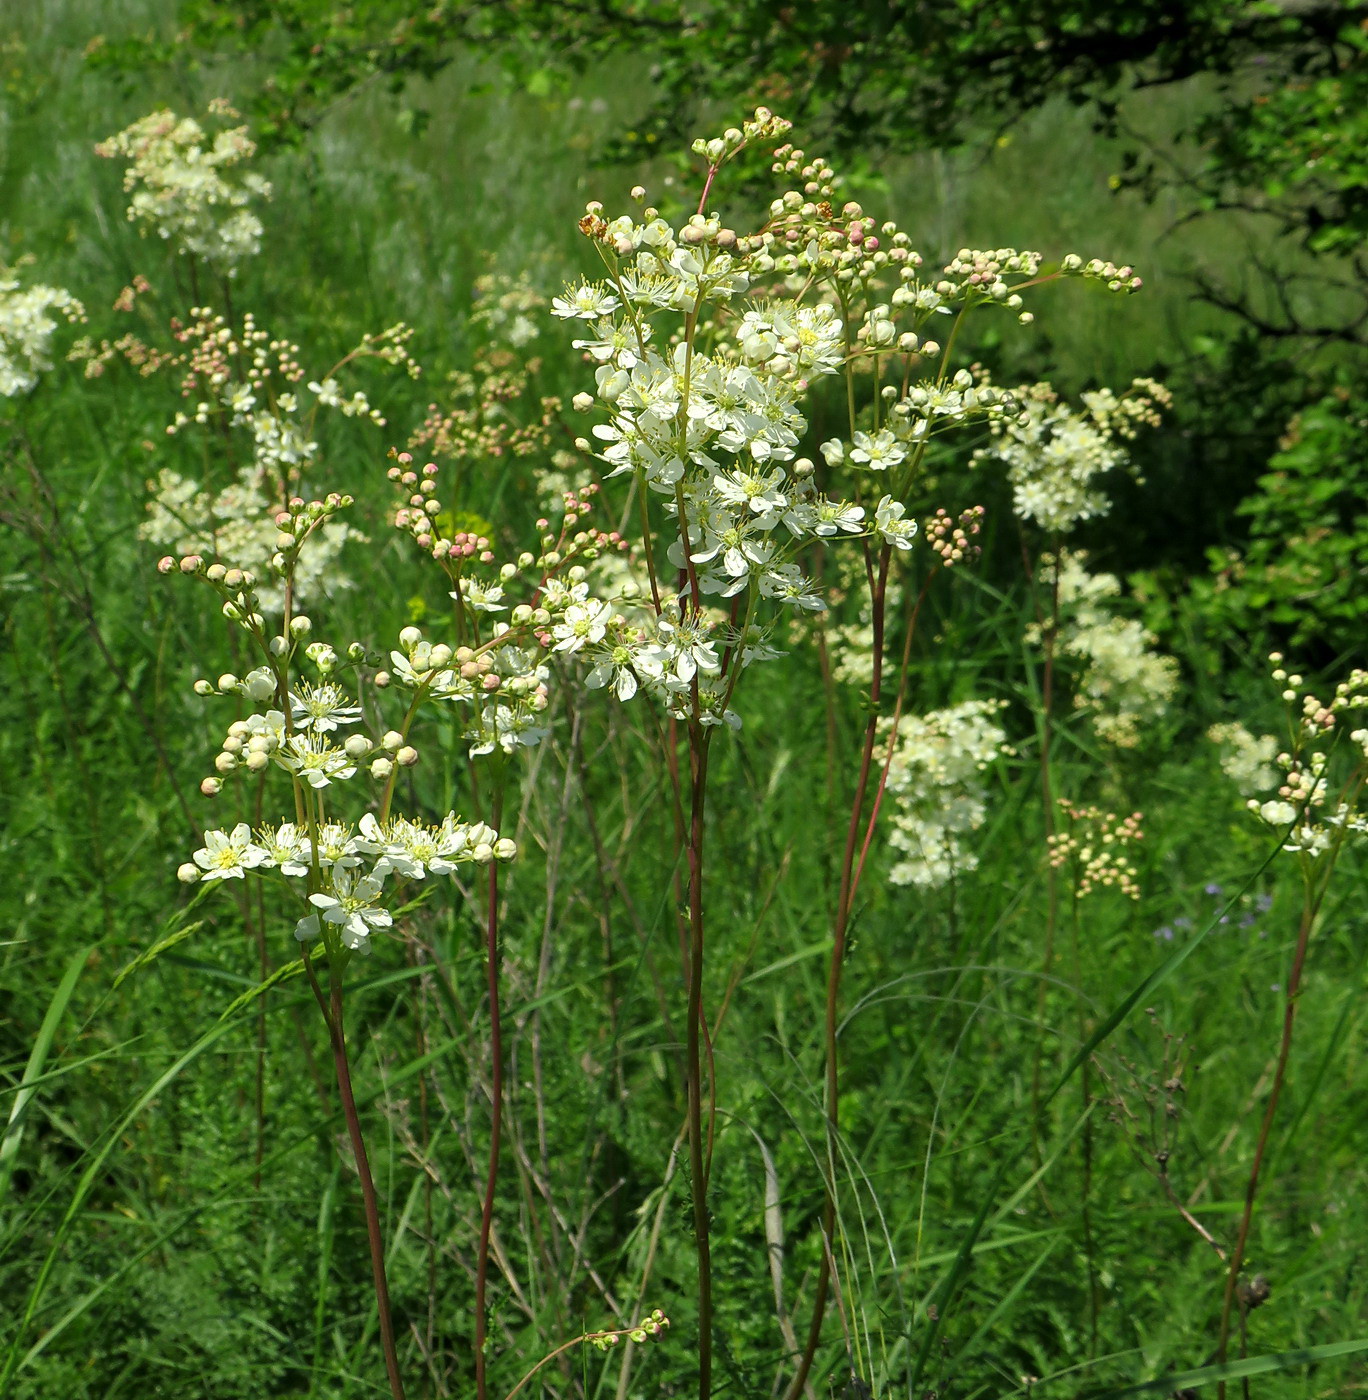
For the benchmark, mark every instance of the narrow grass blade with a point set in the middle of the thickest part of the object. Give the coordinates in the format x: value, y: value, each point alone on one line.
x: 14, y: 1128
x: 1230, y: 1370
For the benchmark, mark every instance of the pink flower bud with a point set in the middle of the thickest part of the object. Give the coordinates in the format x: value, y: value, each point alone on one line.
x: 165, y: 564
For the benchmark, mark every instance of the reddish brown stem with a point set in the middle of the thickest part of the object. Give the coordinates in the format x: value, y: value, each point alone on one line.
x: 331, y: 1007
x: 1308, y: 920
x: 838, y: 949
x: 698, y: 1168
x: 495, y: 1127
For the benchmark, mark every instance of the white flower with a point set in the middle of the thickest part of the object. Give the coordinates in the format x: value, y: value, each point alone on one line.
x: 620, y: 664
x: 878, y: 451
x: 758, y: 491
x: 788, y: 584
x: 828, y: 517
x: 1277, y: 813
x: 413, y: 850
x: 583, y: 624
x: 585, y: 302
x: 285, y: 848
x: 483, y: 597
x: 890, y: 526
x: 685, y: 643
x: 351, y: 908
x: 337, y: 845
x: 1248, y: 762
x: 315, y: 760
x: 322, y: 707
x: 937, y: 789
x: 227, y: 855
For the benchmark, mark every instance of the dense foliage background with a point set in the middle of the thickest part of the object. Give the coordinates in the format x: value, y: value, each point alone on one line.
x: 163, y: 1234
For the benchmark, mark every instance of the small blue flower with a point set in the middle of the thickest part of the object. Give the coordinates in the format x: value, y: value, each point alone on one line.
x: 1213, y: 889
x: 1263, y: 902
x: 1166, y: 933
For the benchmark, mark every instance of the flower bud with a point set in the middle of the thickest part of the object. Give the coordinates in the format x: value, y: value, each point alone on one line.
x: 581, y: 403
x: 357, y: 746
x: 260, y: 685
x: 393, y: 740
x: 211, y: 787
x: 256, y: 761
x: 381, y: 768
x: 188, y: 874
x: 202, y: 687
x: 300, y: 626
x: 407, y: 756
x: 227, y: 681
x: 410, y: 637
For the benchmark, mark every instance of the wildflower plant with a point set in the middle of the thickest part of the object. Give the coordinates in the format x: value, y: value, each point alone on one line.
x: 191, y: 187
x: 1121, y: 682
x: 1056, y: 456
x: 705, y: 342
x: 315, y: 723
x: 704, y: 346
x: 1317, y: 811
x: 936, y: 780
x: 29, y: 319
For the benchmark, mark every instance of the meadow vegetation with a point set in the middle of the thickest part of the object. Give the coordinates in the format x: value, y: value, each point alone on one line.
x: 876, y: 923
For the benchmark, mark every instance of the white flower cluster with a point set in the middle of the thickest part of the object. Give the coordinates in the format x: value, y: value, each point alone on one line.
x: 1247, y: 761
x: 507, y: 309
x: 190, y: 189
x: 939, y: 791
x: 238, y: 522
x: 1093, y: 844
x: 251, y: 382
x: 331, y: 859
x: 701, y: 401
x: 1055, y: 455
x: 29, y: 316
x: 314, y: 731
x: 1123, y: 682
x: 1321, y: 818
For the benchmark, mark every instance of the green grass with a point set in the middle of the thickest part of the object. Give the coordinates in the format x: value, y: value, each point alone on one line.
x: 144, y: 1251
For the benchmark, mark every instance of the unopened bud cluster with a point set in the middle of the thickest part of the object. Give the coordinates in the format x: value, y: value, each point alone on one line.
x: 1319, y: 800
x: 1093, y: 846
